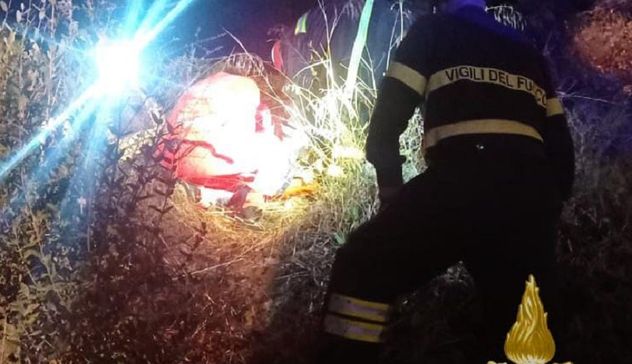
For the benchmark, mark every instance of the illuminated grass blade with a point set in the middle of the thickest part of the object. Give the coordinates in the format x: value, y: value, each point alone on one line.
x: 358, y: 47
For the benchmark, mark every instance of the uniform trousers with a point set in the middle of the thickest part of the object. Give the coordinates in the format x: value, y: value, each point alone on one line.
x: 496, y: 213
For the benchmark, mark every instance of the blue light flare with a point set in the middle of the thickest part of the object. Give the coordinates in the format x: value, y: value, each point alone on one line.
x: 115, y: 75
x: 45, y: 132
x: 146, y: 37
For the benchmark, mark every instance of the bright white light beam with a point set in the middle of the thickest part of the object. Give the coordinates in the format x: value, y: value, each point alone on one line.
x: 116, y: 72
x: 118, y: 64
x: 45, y: 131
x: 145, y: 38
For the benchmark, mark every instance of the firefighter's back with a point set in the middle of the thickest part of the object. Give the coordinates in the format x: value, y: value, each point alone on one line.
x: 487, y: 104
x: 486, y: 85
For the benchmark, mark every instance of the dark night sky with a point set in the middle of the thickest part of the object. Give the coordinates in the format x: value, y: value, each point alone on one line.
x: 249, y: 20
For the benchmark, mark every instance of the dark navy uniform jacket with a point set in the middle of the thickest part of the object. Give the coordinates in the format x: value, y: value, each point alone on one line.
x: 480, y: 83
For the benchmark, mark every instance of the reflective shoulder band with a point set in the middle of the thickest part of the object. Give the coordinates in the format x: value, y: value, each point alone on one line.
x: 487, y: 75
x: 354, y: 307
x: 554, y: 107
x: 353, y: 330
x: 480, y: 126
x: 408, y: 77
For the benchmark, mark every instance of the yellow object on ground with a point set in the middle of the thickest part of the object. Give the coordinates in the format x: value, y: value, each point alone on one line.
x: 299, y: 188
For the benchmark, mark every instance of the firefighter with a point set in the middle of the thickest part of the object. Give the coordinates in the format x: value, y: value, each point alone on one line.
x: 500, y: 164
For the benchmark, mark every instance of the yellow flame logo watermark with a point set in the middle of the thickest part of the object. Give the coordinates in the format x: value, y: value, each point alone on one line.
x: 530, y: 341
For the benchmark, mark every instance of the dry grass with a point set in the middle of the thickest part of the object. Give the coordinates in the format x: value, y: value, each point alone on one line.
x: 262, y: 281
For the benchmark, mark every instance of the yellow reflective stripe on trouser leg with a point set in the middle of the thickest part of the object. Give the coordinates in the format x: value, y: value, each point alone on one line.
x: 554, y: 107
x: 408, y: 76
x: 355, y: 307
x: 480, y: 126
x: 353, y: 330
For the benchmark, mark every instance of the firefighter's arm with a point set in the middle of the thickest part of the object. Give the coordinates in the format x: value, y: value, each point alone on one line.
x: 558, y: 142
x: 400, y: 93
x: 394, y: 107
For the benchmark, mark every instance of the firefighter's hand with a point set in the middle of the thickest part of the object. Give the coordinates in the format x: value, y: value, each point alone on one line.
x: 387, y: 195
